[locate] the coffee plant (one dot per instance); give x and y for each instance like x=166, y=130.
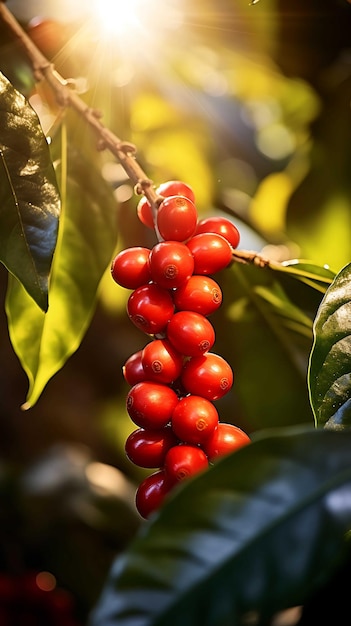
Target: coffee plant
x=228, y=504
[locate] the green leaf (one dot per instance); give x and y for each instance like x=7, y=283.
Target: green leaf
x=29, y=197
x=318, y=277
x=259, y=531
x=267, y=340
x=304, y=282
x=87, y=239
x=330, y=365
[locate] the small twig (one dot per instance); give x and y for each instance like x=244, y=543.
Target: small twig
x=318, y=282
x=66, y=96
x=252, y=258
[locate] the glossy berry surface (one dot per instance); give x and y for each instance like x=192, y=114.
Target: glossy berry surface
x=150, y=308
x=161, y=361
x=148, y=448
x=169, y=188
x=144, y=212
x=151, y=405
x=209, y=376
x=190, y=333
x=194, y=419
x=133, y=370
x=211, y=253
x=176, y=218
x=225, y=438
x=184, y=461
x=130, y=268
x=176, y=188
x=151, y=493
x=200, y=294
x=220, y=226
x=171, y=264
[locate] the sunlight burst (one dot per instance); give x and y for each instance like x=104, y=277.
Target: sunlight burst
x=120, y=17
x=126, y=20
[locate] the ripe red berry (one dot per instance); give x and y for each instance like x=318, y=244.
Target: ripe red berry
x=130, y=267
x=209, y=376
x=161, y=361
x=171, y=264
x=211, y=253
x=151, y=404
x=150, y=308
x=170, y=188
x=200, y=294
x=48, y=35
x=225, y=439
x=190, y=333
x=184, y=461
x=176, y=218
x=151, y=493
x=221, y=226
x=133, y=370
x=176, y=188
x=144, y=212
x=194, y=419
x=148, y=448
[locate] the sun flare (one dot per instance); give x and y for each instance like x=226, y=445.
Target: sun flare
x=118, y=17
x=128, y=19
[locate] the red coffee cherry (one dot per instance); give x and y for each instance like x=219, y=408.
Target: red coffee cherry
x=220, y=226
x=171, y=264
x=209, y=376
x=211, y=253
x=161, y=361
x=130, y=268
x=151, y=493
x=48, y=35
x=200, y=294
x=176, y=188
x=194, y=419
x=150, y=308
x=151, y=404
x=133, y=371
x=170, y=188
x=190, y=333
x=176, y=218
x=144, y=212
x=225, y=439
x=184, y=461
x=148, y=448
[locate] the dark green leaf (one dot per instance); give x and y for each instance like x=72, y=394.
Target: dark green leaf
x=29, y=197
x=267, y=340
x=330, y=364
x=87, y=239
x=258, y=532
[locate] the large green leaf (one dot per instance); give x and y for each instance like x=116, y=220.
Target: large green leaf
x=267, y=340
x=29, y=197
x=330, y=363
x=258, y=531
x=87, y=238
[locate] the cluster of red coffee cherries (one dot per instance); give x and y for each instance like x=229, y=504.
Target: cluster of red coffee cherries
x=175, y=378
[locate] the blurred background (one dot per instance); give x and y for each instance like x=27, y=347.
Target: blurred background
x=250, y=105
